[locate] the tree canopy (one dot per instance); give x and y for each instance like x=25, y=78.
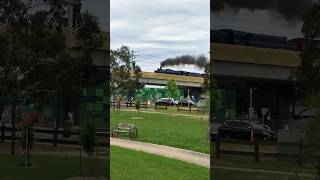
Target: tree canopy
x=172, y=90
x=35, y=58
x=124, y=71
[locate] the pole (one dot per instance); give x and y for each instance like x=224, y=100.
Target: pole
x=250, y=107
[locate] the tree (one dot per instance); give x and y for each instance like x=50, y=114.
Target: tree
x=36, y=61
x=308, y=76
x=312, y=143
x=124, y=71
x=172, y=90
x=309, y=71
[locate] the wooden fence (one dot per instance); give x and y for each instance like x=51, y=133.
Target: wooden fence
x=187, y=108
x=52, y=136
x=255, y=143
x=127, y=105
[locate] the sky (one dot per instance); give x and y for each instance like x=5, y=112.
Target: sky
x=161, y=29
x=100, y=9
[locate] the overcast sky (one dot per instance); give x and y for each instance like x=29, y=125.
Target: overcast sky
x=101, y=9
x=276, y=17
x=255, y=22
x=161, y=29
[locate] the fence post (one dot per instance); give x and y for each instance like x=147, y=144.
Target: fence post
x=166, y=106
x=217, y=149
x=55, y=137
x=256, y=148
x=3, y=132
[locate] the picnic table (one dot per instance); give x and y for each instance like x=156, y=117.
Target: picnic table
x=125, y=128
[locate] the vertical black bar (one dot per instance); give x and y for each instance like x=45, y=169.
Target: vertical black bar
x=217, y=149
x=256, y=148
x=55, y=137
x=301, y=158
x=3, y=130
x=13, y=128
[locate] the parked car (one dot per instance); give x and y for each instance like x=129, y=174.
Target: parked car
x=165, y=102
x=186, y=102
x=242, y=130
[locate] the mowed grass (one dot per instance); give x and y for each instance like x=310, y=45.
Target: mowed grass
x=264, y=163
x=49, y=167
x=236, y=175
x=128, y=164
x=171, y=130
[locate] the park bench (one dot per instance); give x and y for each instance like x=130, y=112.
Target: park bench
x=125, y=128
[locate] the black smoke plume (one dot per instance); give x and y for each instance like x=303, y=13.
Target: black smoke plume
x=199, y=61
x=290, y=10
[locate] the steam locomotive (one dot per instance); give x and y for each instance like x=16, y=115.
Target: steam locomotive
x=181, y=73
x=230, y=36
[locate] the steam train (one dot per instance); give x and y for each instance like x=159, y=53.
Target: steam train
x=230, y=36
x=181, y=73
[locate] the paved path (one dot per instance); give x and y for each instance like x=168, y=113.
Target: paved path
x=197, y=158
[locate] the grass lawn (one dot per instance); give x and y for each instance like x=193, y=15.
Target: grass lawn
x=46, y=168
x=265, y=163
x=176, y=131
x=128, y=164
x=235, y=175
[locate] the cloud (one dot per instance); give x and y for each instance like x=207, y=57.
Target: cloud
x=161, y=29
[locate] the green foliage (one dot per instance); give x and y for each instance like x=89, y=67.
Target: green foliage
x=137, y=104
x=88, y=138
x=35, y=60
x=172, y=90
x=309, y=71
x=311, y=23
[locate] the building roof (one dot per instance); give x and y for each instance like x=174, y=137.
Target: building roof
x=162, y=76
x=255, y=55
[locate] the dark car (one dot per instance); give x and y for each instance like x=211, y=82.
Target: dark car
x=186, y=102
x=242, y=130
x=165, y=102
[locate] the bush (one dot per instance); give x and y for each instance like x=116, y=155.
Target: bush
x=88, y=138
x=137, y=104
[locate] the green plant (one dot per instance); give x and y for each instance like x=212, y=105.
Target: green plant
x=137, y=104
x=87, y=137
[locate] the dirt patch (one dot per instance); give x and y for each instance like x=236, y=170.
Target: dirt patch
x=137, y=118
